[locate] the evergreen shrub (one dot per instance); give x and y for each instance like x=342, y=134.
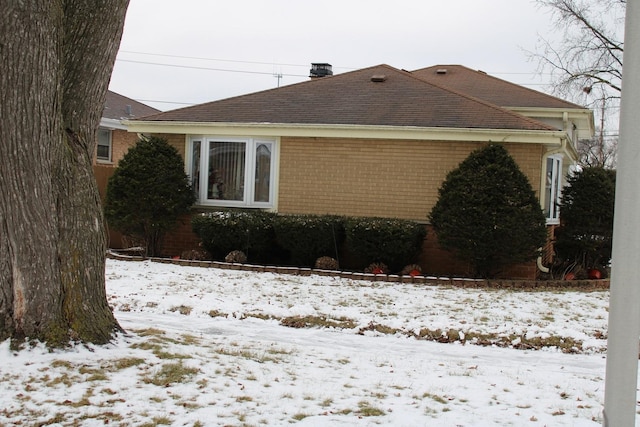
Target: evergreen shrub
x=488, y=214
x=395, y=242
x=584, y=237
x=148, y=192
x=248, y=231
x=309, y=237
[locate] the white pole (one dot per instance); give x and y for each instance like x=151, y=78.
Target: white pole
x=624, y=306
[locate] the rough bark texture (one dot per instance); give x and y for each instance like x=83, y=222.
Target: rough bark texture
x=56, y=59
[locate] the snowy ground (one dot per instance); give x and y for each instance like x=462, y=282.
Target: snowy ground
x=208, y=347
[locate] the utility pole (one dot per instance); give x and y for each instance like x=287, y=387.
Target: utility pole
x=621, y=381
x=278, y=76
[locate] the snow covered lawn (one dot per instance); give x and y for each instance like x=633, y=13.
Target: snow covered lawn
x=209, y=347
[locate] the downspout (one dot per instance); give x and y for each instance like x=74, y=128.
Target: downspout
x=541, y=266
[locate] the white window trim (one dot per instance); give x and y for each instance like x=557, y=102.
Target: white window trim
x=101, y=159
x=249, y=178
x=557, y=181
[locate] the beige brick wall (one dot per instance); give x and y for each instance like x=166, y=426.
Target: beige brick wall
x=176, y=140
x=376, y=177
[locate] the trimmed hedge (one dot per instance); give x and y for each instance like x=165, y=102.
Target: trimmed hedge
x=248, y=231
x=265, y=236
x=309, y=237
x=395, y=242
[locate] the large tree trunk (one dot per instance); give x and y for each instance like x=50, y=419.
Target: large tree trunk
x=56, y=59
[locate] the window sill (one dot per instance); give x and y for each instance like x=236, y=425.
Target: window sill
x=209, y=206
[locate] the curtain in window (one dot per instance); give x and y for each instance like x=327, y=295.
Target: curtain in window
x=262, y=172
x=226, y=171
x=195, y=167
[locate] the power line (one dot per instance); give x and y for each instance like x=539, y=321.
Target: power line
x=212, y=59
x=206, y=68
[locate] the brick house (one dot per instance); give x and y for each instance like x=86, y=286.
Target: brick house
x=373, y=142
x=113, y=139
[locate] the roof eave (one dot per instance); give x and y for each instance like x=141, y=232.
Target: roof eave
x=546, y=137
x=112, y=123
x=582, y=116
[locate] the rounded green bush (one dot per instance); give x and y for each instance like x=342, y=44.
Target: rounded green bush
x=148, y=192
x=488, y=214
x=584, y=237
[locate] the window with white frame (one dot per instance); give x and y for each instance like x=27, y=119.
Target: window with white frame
x=234, y=172
x=553, y=189
x=103, y=150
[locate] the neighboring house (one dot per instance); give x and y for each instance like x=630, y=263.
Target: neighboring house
x=373, y=142
x=113, y=139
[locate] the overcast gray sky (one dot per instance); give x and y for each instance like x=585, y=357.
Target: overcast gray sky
x=194, y=51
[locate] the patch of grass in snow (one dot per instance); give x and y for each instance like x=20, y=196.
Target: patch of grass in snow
x=166, y=355
x=217, y=313
x=379, y=395
x=124, y=363
x=56, y=419
x=326, y=402
x=106, y=417
x=62, y=364
x=185, y=310
x=318, y=321
x=171, y=373
x=64, y=379
x=93, y=374
x=149, y=332
x=300, y=416
x=157, y=345
x=188, y=339
x=261, y=316
x=379, y=328
x=435, y=398
x=366, y=410
x=249, y=354
x=84, y=400
x=158, y=421
x=521, y=342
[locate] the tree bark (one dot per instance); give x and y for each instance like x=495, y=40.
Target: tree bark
x=56, y=59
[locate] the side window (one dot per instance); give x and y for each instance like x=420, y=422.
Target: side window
x=103, y=150
x=553, y=189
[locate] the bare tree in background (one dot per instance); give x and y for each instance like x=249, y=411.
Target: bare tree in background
x=56, y=58
x=585, y=63
x=597, y=152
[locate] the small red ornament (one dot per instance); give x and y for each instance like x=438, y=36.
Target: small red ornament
x=378, y=270
x=415, y=272
x=569, y=276
x=594, y=274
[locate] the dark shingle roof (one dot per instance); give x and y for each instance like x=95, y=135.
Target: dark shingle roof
x=491, y=89
x=353, y=98
x=116, y=107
